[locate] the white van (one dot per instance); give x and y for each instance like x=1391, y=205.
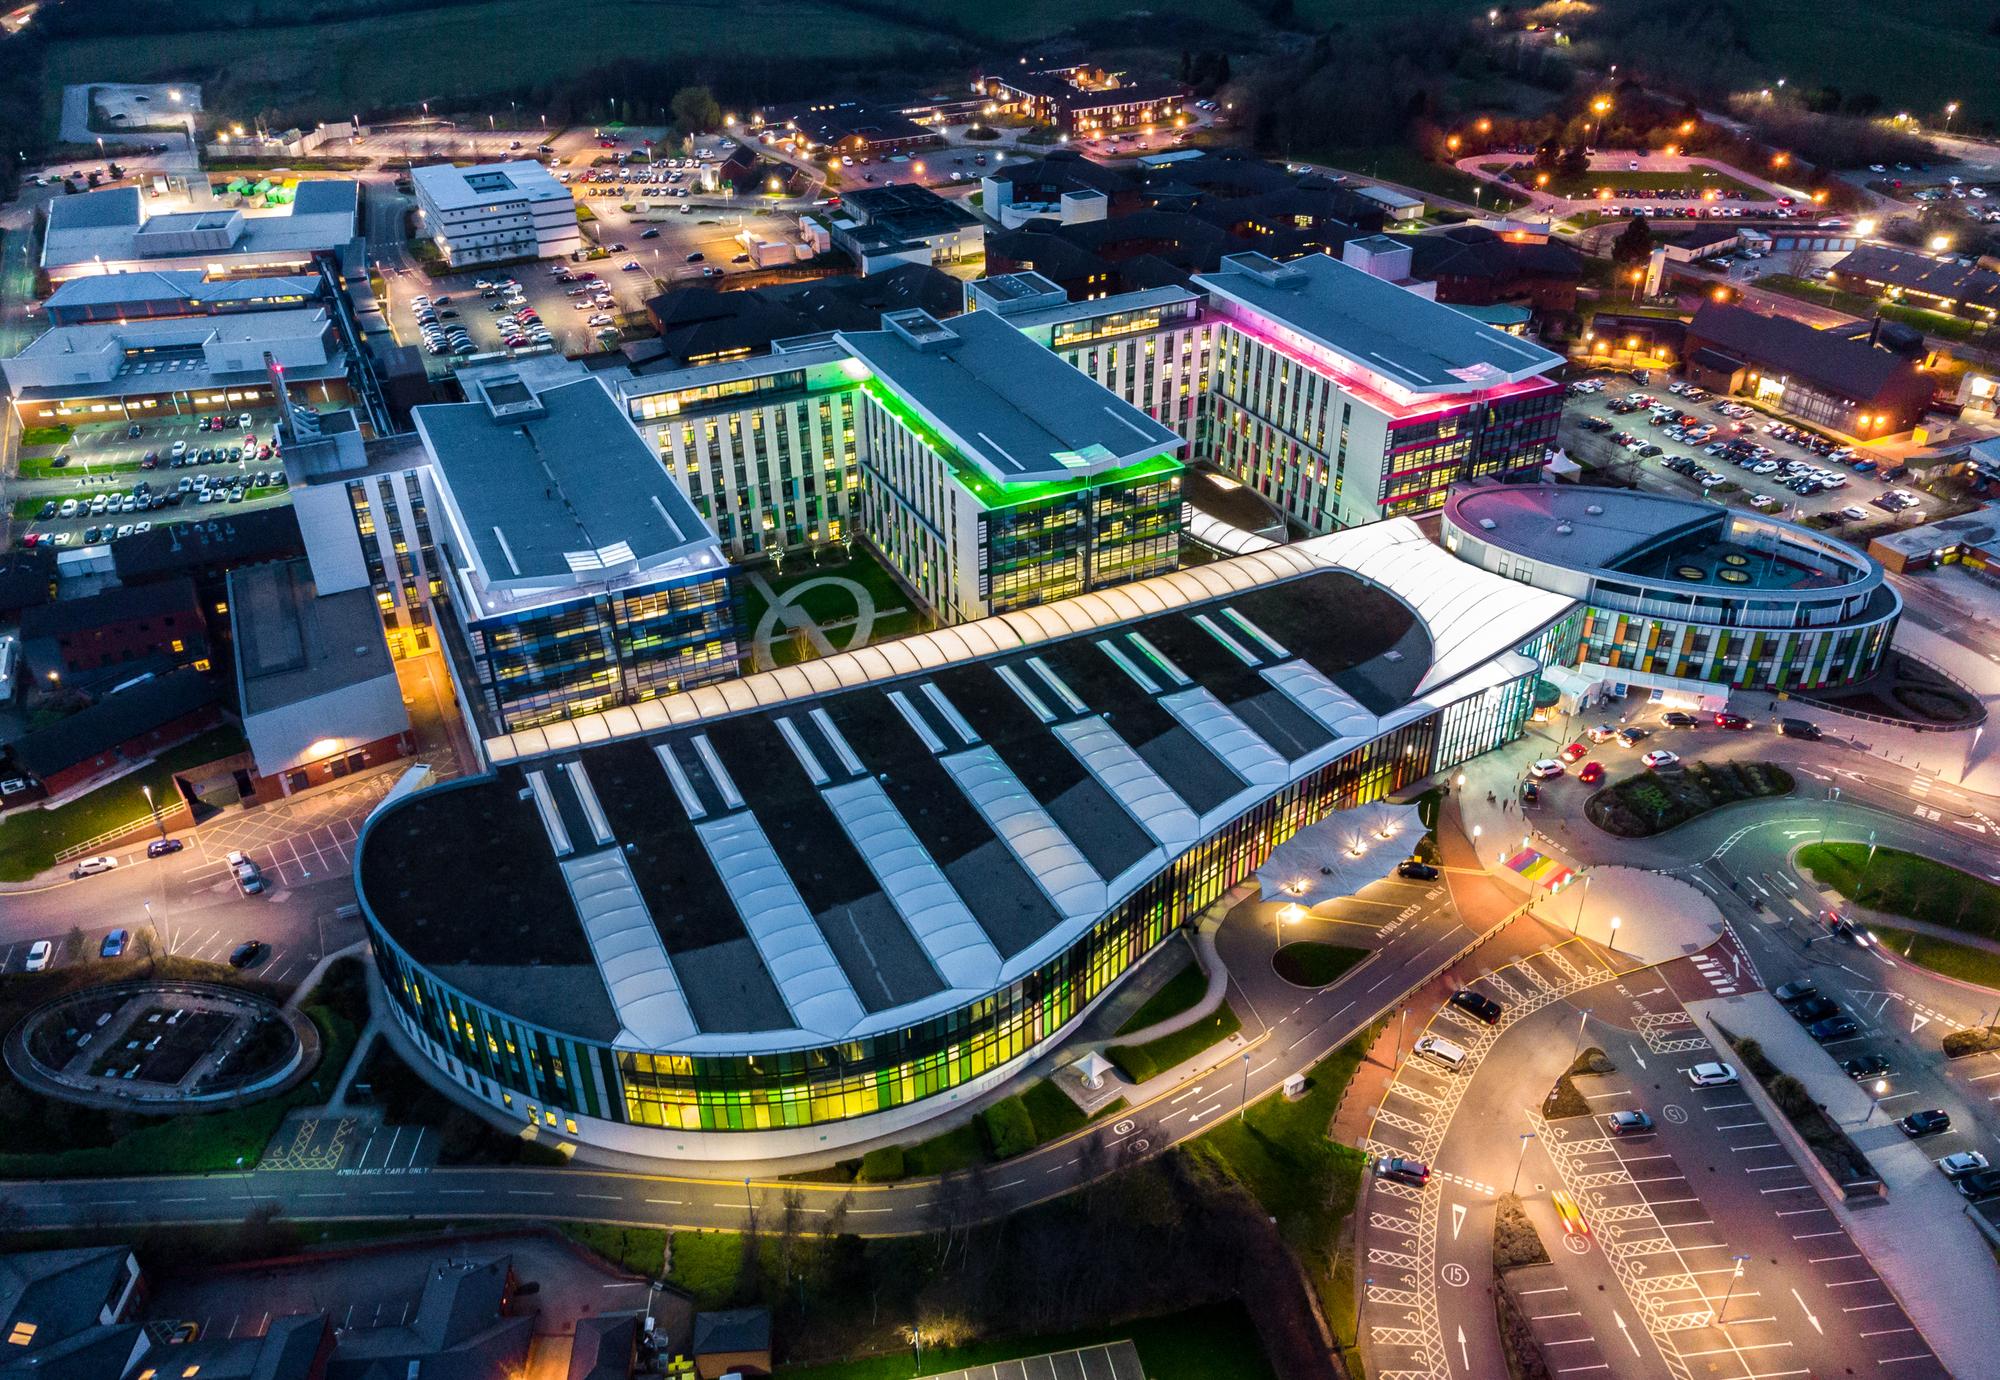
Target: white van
x=1442, y=1051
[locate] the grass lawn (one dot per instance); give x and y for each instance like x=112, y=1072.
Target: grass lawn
x=43, y=466
x=1309, y=963
x=459, y=52
x=1859, y=304
x=947, y=1153
x=1954, y=960
x=1140, y=1062
x=1176, y=995
x=1055, y=1115
x=708, y=1264
x=1217, y=1342
x=636, y=1250
x=1410, y=168
x=1307, y=1182
x=46, y=435
x=1906, y=884
x=1587, y=183
x=30, y=839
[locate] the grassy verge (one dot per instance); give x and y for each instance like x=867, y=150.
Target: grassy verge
x=1176, y=995
x=635, y=1250
x=1906, y=884
x=1216, y=1342
x=1308, y=1184
x=195, y=1143
x=1860, y=304
x=46, y=435
x=1411, y=169
x=1944, y=956
x=1654, y=802
x=30, y=839
x=1309, y=963
x=1140, y=1062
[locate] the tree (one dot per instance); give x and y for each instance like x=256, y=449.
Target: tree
x=1548, y=155
x=695, y=109
x=1634, y=244
x=1574, y=162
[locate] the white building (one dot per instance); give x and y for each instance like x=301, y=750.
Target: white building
x=496, y=212
x=113, y=231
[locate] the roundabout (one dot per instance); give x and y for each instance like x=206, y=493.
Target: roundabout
x=161, y=1047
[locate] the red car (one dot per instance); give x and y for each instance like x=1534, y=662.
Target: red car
x=1736, y=723
x=1575, y=752
x=1592, y=773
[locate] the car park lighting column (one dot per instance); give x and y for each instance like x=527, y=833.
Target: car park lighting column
x=1514, y=1188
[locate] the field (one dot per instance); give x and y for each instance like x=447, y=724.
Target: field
x=1913, y=58
x=1587, y=183
x=463, y=52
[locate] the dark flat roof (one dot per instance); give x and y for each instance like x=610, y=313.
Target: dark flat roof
x=113, y=720
x=1779, y=344
x=294, y=644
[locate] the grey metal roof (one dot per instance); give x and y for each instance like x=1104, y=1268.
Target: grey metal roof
x=555, y=484
x=1008, y=404
x=177, y=285
x=452, y=188
x=294, y=644
x=1415, y=343
x=858, y=844
x=104, y=210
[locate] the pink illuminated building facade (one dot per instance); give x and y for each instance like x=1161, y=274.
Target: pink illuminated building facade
x=1344, y=398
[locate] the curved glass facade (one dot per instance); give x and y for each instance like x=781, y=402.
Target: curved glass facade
x=550, y=1079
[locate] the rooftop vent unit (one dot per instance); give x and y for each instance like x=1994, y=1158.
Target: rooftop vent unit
x=1563, y=529
x=1595, y=510
x=1488, y=524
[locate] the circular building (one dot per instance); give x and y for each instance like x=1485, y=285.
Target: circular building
x=790, y=912
x=1682, y=596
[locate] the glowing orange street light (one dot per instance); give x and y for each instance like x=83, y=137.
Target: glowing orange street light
x=1604, y=194
x=1484, y=126
x=1687, y=126
x=1451, y=142
x=1721, y=294
x=1778, y=160
x=1601, y=105
x=1541, y=179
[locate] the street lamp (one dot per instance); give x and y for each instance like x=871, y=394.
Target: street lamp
x=1950, y=109
x=1514, y=1188
x=158, y=823
x=1734, y=1275
x=1615, y=922
x=1583, y=1019
x=1243, y=1101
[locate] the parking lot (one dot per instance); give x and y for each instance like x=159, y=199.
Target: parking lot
x=106, y=461
x=1598, y=448
x=1724, y=1242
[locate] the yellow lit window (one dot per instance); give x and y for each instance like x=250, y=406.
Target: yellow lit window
x=22, y=1335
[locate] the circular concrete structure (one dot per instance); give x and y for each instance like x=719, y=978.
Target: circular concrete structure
x=1659, y=917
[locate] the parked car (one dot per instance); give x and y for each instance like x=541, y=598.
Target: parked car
x=1660, y=757
x=1711, y=1075
x=1984, y=1183
x=1798, y=989
x=1863, y=1067
x=90, y=867
x=1632, y=737
x=1413, y=1172
x=1592, y=773
x=1814, y=1008
x=1675, y=718
x=39, y=954
x=248, y=875
x=114, y=944
x=1628, y=1123
x=1477, y=1005
x=1930, y=1122
x=1957, y=1166
x=160, y=848
x=1575, y=752
x=247, y=953
x=1546, y=770
x=1416, y=871
x=1834, y=1028
x=1799, y=728
x=1734, y=722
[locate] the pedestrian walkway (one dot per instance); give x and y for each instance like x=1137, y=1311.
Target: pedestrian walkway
x=1117, y=1361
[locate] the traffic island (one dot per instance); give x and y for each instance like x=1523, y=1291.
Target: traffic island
x=1655, y=801
x=1911, y=885
x=1516, y=1246
x=1565, y=1099
x=1843, y=1167
x=1310, y=963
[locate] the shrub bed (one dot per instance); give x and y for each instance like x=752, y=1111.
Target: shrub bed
x=1961, y=1043
x=1140, y=1062
x=1515, y=1240
x=1309, y=963
x=1654, y=802
x=1829, y=1144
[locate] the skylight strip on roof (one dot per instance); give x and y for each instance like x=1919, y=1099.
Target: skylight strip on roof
x=1143, y=792
x=790, y=733
x=1255, y=633
x=1128, y=666
x=956, y=943
x=1228, y=737
x=586, y=796
x=1028, y=697
x=795, y=953
x=631, y=960
x=1159, y=659
x=1031, y=835
x=916, y=721
x=1055, y=683
x=545, y=806
x=950, y=712
x=1310, y=689
x=824, y=722
x=716, y=772
x=1236, y=649
x=683, y=788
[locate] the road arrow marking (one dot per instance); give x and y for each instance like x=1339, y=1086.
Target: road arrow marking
x=1809, y=1314
x=1457, y=1219
x=1918, y=1021
x=1649, y=992
x=1464, y=1352
x=1627, y=1331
